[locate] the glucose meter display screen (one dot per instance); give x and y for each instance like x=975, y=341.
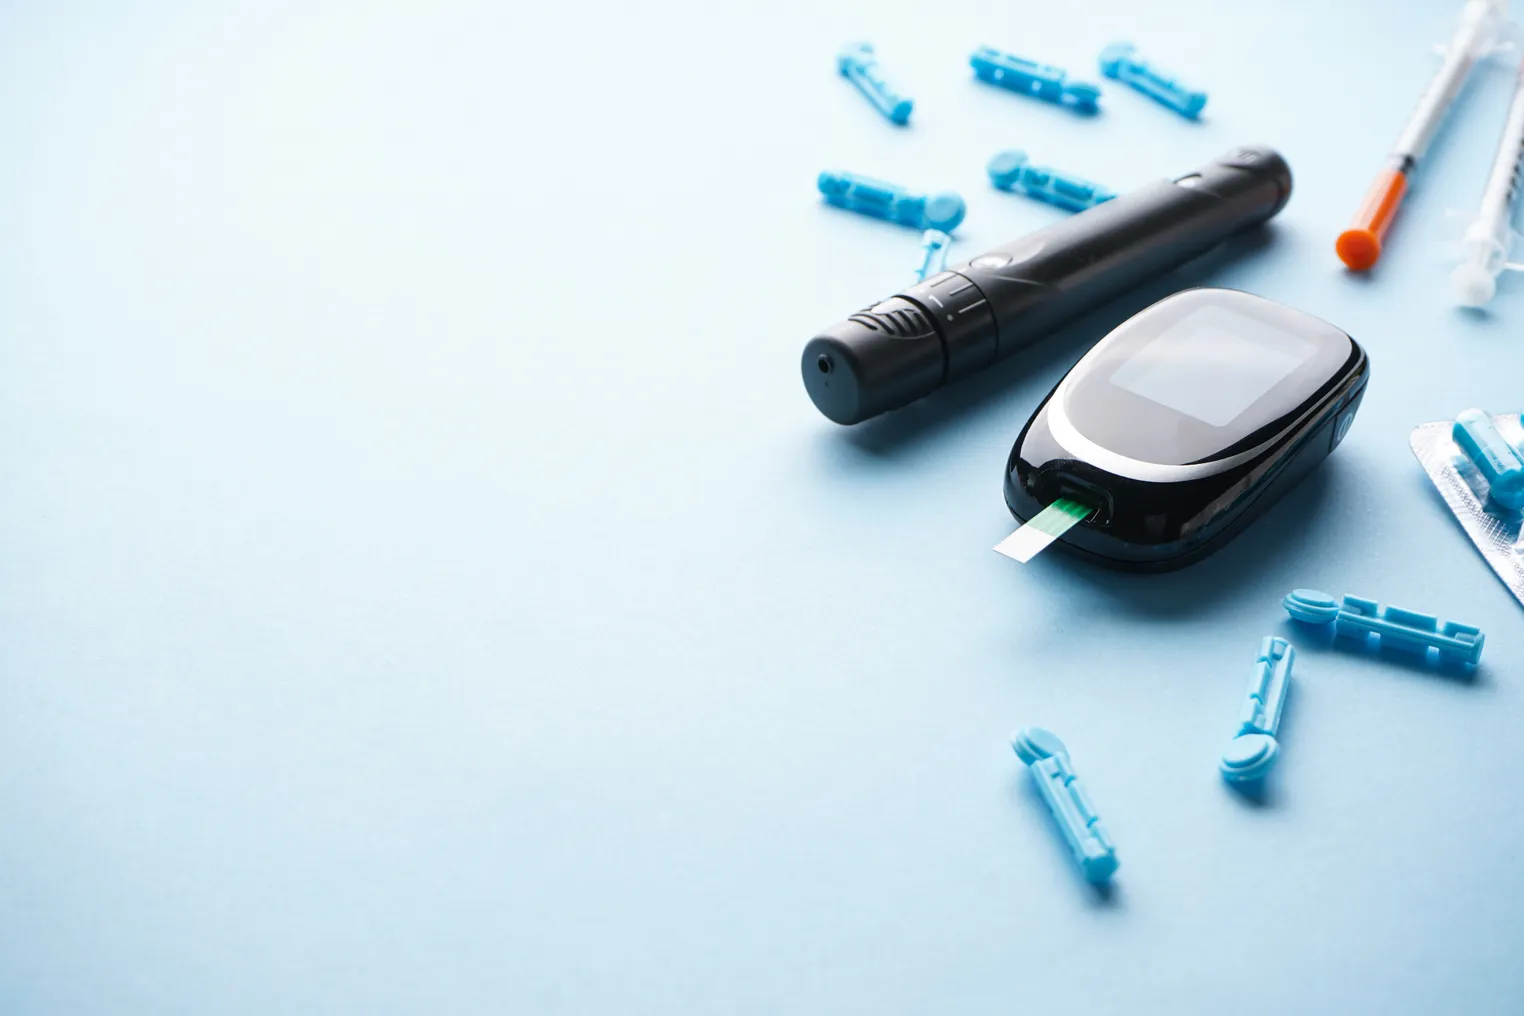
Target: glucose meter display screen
x=1213, y=364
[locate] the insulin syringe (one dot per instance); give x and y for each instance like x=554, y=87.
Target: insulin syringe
x=1489, y=238
x=1360, y=245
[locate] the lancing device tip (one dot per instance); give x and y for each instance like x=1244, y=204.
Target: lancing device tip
x=1043, y=529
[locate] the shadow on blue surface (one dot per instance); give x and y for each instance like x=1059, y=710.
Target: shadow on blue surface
x=1257, y=796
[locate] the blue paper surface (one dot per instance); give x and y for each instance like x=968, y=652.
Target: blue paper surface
x=428, y=589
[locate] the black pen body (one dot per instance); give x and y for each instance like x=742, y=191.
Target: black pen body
x=964, y=319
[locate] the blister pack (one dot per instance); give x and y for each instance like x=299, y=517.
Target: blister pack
x=1475, y=463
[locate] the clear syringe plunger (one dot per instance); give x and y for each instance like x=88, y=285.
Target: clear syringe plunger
x=1489, y=238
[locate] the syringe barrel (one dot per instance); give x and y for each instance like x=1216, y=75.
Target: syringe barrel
x=1504, y=182
x=1474, y=35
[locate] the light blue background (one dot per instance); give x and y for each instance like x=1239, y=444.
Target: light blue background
x=426, y=587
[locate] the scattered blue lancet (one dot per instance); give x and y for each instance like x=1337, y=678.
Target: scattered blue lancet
x=886, y=201
x=1252, y=753
x=859, y=66
x=1497, y=460
x=934, y=244
x=1041, y=81
x=1048, y=761
x=1120, y=61
x=1356, y=618
x=1011, y=171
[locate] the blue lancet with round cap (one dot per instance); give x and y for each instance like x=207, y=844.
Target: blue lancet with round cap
x=1047, y=759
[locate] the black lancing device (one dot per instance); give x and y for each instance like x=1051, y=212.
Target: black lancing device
x=962, y=320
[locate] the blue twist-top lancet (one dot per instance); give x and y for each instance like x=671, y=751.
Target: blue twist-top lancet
x=1012, y=171
x=1498, y=461
x=1356, y=618
x=1121, y=62
x=1047, y=759
x=1040, y=81
x=1252, y=753
x=934, y=244
x=888, y=201
x=859, y=66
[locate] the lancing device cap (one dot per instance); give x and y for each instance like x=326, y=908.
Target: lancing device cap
x=962, y=320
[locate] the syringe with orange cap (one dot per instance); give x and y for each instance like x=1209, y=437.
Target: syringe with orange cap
x=1360, y=245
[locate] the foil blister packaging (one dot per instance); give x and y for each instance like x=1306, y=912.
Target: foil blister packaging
x=1495, y=530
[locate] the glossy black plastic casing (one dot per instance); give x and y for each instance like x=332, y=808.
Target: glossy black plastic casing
x=1161, y=524
x=961, y=321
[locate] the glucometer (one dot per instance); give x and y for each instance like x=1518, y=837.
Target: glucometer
x=1179, y=428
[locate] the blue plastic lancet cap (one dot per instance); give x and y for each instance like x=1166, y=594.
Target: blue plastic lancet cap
x=853, y=54
x=1493, y=455
x=1249, y=757
x=1033, y=743
x=832, y=184
x=1083, y=94
x=1005, y=168
x=944, y=211
x=1113, y=55
x=1311, y=606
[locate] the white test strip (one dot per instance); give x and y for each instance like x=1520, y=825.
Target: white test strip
x=1045, y=527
